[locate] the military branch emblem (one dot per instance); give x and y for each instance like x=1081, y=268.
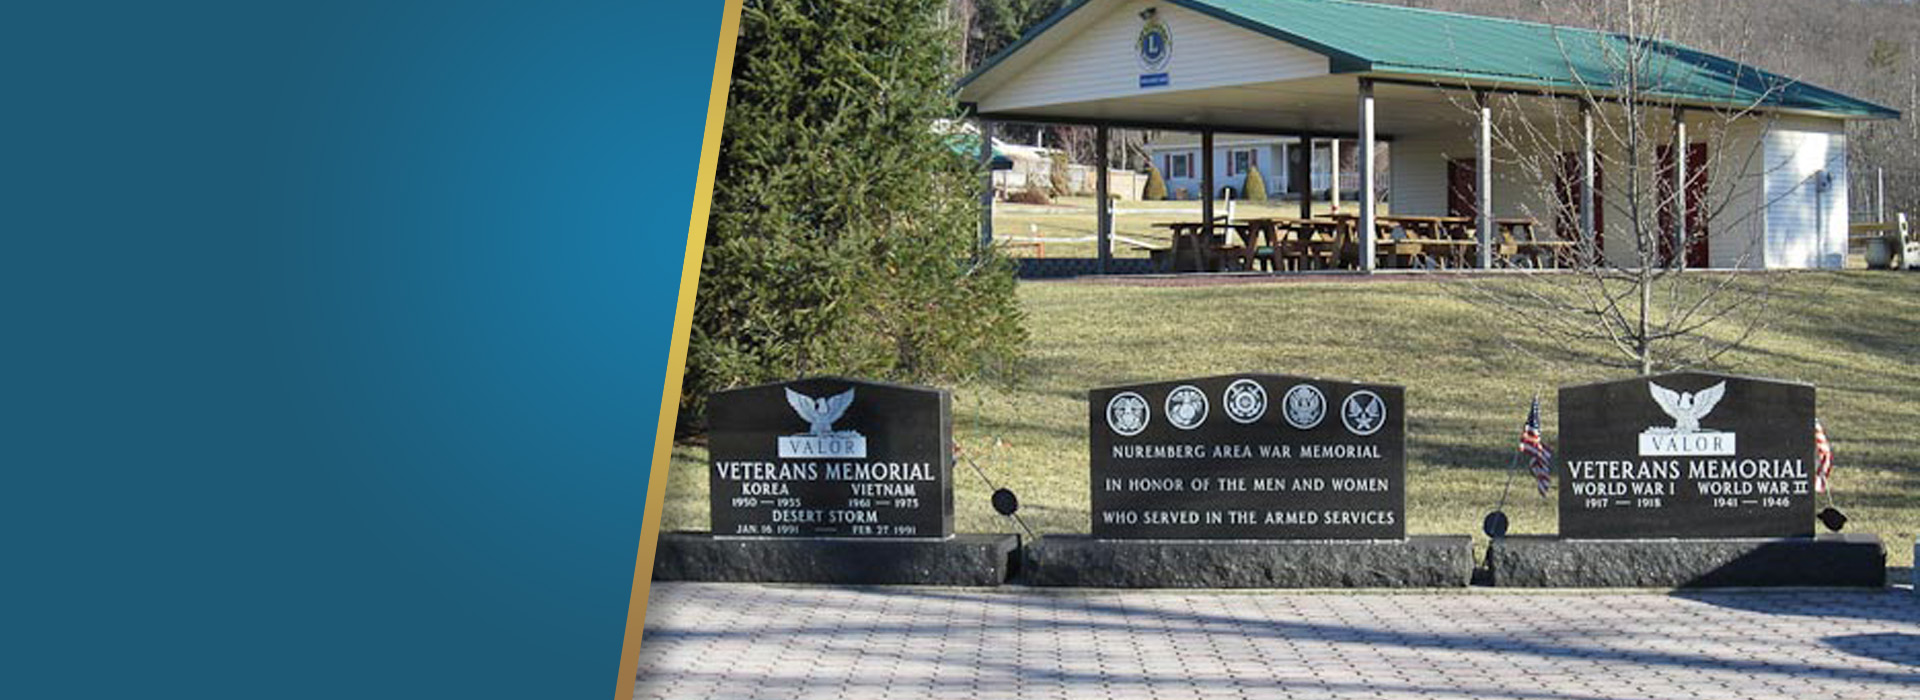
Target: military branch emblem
x=1305, y=406
x=1186, y=407
x=1127, y=414
x=1686, y=437
x=1363, y=412
x=821, y=440
x=1245, y=401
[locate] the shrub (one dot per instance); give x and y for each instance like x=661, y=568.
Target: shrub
x=843, y=227
x=1058, y=181
x=1156, y=188
x=1256, y=185
x=1031, y=195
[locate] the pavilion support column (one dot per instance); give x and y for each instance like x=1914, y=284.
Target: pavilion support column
x=1333, y=164
x=1483, y=188
x=1206, y=185
x=1368, y=215
x=1101, y=190
x=1679, y=189
x=1302, y=176
x=1588, y=216
x=986, y=187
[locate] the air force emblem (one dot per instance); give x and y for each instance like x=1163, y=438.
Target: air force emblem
x=821, y=440
x=1686, y=437
x=1364, y=412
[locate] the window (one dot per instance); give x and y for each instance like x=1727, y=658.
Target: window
x=1180, y=165
x=1240, y=161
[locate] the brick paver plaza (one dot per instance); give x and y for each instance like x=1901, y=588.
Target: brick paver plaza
x=765, y=641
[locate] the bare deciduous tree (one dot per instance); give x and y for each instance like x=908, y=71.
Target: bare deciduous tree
x=1636, y=294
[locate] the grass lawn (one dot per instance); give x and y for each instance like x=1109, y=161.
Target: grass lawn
x=1073, y=217
x=1853, y=334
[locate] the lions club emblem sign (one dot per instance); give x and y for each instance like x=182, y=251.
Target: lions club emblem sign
x=1154, y=49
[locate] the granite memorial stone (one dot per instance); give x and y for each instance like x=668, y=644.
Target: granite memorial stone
x=1688, y=455
x=831, y=457
x=1248, y=457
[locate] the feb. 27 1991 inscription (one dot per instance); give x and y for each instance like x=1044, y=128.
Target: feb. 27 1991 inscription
x=1686, y=455
x=831, y=457
x=1255, y=456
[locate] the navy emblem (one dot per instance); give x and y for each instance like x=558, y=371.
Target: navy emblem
x=1305, y=405
x=1127, y=414
x=1246, y=401
x=1186, y=407
x=1363, y=412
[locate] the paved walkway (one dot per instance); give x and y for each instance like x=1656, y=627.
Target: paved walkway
x=782, y=642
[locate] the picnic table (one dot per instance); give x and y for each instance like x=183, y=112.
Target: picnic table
x=1520, y=239
x=1193, y=250
x=1294, y=244
x=1453, y=241
x=1405, y=241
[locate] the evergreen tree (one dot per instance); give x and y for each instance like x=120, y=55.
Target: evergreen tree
x=842, y=232
x=1156, y=188
x=1256, y=186
x=1058, y=184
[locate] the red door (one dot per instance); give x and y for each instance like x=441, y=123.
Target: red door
x=1566, y=219
x=1463, y=198
x=1696, y=213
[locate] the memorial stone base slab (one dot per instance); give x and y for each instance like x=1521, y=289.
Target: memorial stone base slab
x=1852, y=560
x=1417, y=562
x=963, y=560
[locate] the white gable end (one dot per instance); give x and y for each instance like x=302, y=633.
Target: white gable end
x=1806, y=214
x=1101, y=62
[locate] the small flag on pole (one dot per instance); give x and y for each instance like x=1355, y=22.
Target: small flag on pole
x=1822, y=458
x=1538, y=454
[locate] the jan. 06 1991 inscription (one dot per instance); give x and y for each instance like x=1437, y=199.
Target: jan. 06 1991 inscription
x=831, y=457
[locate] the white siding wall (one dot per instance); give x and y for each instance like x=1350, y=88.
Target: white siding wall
x=1101, y=63
x=1735, y=237
x=1419, y=178
x=1806, y=225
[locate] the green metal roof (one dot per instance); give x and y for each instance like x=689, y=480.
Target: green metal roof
x=1364, y=37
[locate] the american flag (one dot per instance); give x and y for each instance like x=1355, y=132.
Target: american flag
x=1822, y=458
x=1538, y=454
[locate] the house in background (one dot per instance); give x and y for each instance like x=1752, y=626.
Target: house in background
x=1019, y=167
x=1177, y=155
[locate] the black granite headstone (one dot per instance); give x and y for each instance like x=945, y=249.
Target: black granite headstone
x=831, y=457
x=1258, y=457
x=1688, y=455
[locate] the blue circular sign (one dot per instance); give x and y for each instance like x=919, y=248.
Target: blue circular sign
x=1155, y=45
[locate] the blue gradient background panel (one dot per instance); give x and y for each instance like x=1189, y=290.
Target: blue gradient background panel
x=335, y=335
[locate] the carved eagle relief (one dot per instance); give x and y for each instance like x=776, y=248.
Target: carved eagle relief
x=1687, y=409
x=820, y=413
